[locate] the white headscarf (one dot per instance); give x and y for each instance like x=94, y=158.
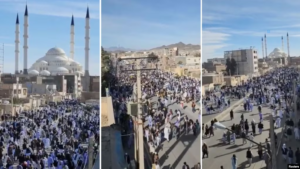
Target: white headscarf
x=283, y=146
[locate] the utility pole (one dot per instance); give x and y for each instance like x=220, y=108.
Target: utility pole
x=273, y=148
x=295, y=99
x=90, y=153
x=139, y=134
x=140, y=127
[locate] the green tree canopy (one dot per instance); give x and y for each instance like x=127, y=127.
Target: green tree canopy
x=105, y=62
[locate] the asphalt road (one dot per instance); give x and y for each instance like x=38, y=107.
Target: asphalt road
x=220, y=154
x=186, y=149
x=206, y=117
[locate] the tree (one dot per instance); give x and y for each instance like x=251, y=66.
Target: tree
x=228, y=65
x=105, y=62
x=152, y=58
x=231, y=66
x=106, y=67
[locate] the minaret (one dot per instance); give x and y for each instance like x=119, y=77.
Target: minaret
x=87, y=39
x=72, y=39
x=25, y=47
x=87, y=48
x=262, y=44
x=17, y=42
x=266, y=46
x=282, y=46
x=288, y=44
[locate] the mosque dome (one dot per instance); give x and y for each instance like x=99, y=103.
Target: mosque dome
x=277, y=53
x=33, y=72
x=61, y=70
x=55, y=51
x=45, y=73
x=56, y=61
x=43, y=62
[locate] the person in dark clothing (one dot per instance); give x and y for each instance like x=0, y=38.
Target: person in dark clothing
x=185, y=166
x=290, y=156
x=297, y=156
x=249, y=156
x=127, y=159
x=231, y=115
x=260, y=151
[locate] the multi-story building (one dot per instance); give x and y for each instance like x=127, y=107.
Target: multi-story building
x=217, y=60
x=171, y=52
x=246, y=59
x=214, y=67
x=212, y=78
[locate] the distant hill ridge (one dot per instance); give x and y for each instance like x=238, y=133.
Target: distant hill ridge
x=179, y=45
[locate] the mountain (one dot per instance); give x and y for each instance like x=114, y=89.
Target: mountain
x=118, y=49
x=179, y=45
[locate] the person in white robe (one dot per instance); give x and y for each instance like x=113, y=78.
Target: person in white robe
x=166, y=133
x=278, y=122
x=296, y=132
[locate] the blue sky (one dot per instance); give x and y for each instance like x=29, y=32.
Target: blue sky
x=49, y=26
x=234, y=24
x=145, y=24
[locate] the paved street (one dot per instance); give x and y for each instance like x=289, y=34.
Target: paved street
x=186, y=149
x=206, y=117
x=220, y=154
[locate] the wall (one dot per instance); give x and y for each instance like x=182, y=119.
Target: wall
x=230, y=81
x=107, y=112
x=89, y=95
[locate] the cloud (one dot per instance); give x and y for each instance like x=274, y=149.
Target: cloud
x=210, y=37
x=213, y=41
x=121, y=22
x=55, y=8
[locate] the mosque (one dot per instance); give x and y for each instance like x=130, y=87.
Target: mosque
x=277, y=53
x=55, y=67
x=55, y=61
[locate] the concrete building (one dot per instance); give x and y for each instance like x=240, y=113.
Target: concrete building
x=192, y=60
x=214, y=67
x=6, y=90
x=216, y=79
x=217, y=60
x=171, y=52
x=40, y=89
x=230, y=81
x=187, y=60
x=246, y=59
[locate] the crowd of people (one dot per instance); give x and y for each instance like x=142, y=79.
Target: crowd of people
x=274, y=90
x=159, y=91
x=54, y=137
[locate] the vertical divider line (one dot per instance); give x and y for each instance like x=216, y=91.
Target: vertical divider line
x=201, y=49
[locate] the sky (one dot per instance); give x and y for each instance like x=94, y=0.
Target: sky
x=235, y=24
x=145, y=24
x=49, y=26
